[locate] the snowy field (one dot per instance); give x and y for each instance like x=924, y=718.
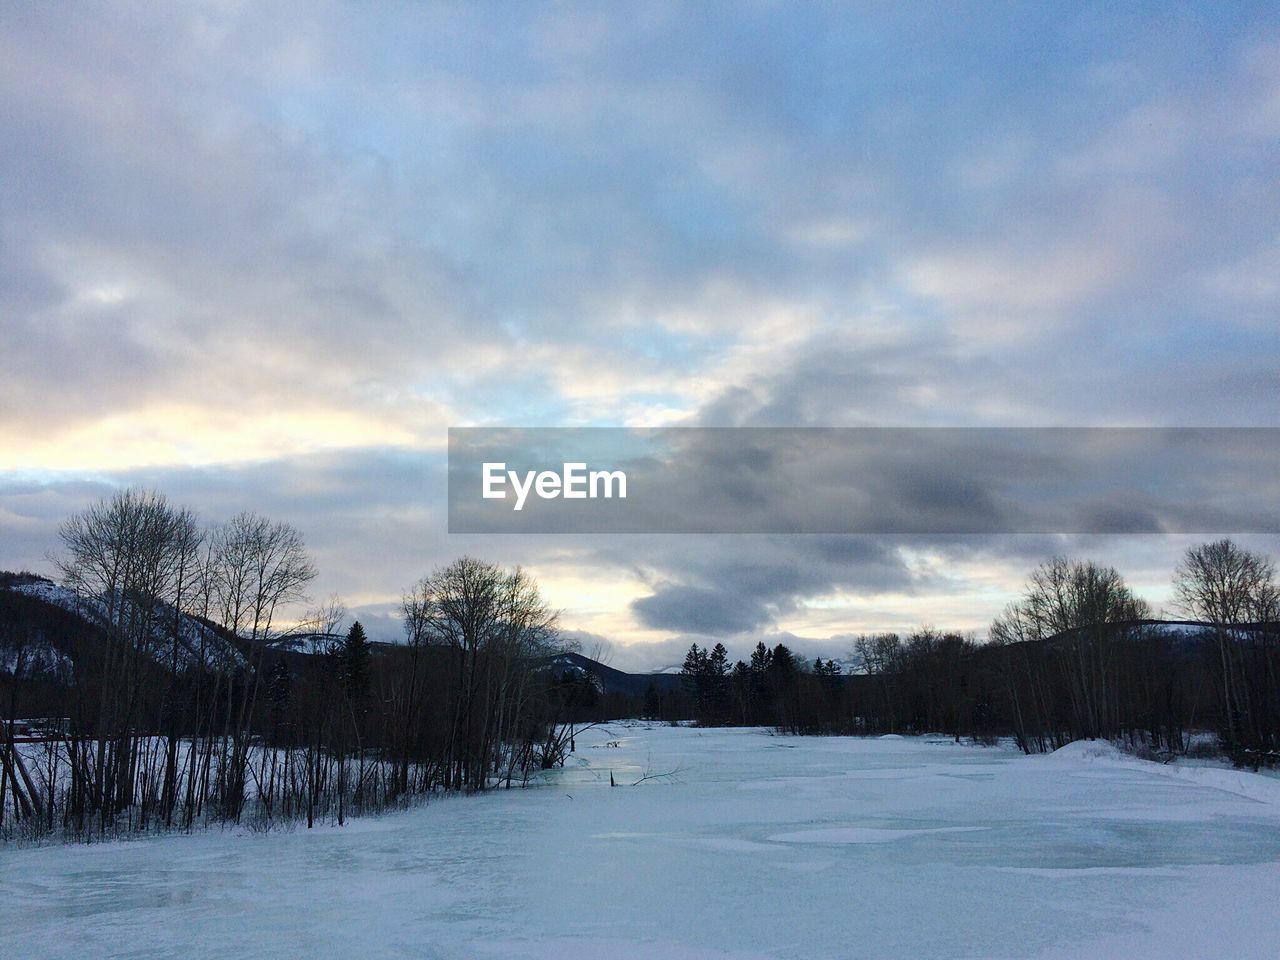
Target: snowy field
x=761, y=846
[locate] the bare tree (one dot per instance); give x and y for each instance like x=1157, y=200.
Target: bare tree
x=190, y=700
x=1075, y=620
x=123, y=557
x=494, y=625
x=260, y=566
x=1227, y=586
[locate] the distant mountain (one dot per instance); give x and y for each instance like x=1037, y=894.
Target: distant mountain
x=57, y=627
x=55, y=623
x=609, y=680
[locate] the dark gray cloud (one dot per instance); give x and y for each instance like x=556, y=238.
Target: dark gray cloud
x=700, y=609
x=867, y=480
x=741, y=584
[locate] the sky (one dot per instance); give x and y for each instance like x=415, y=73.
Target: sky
x=263, y=256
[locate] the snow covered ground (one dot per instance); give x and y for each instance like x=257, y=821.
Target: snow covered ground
x=761, y=846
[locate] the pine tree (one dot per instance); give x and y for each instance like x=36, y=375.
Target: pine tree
x=782, y=674
x=743, y=693
x=694, y=662
x=355, y=664
x=760, y=660
x=280, y=691
x=828, y=675
x=718, y=681
x=761, y=692
x=652, y=702
x=696, y=675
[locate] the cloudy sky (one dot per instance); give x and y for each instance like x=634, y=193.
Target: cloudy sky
x=263, y=256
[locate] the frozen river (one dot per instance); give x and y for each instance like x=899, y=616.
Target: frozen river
x=759, y=846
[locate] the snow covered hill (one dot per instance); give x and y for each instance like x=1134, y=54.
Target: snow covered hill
x=196, y=641
x=609, y=680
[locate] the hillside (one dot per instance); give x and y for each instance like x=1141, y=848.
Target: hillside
x=54, y=627
x=611, y=681
x=53, y=623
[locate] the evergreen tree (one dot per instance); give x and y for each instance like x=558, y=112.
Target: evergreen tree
x=741, y=686
x=782, y=676
x=826, y=670
x=718, y=681
x=760, y=660
x=761, y=692
x=696, y=675
x=280, y=691
x=718, y=662
x=828, y=675
x=652, y=703
x=355, y=664
x=580, y=696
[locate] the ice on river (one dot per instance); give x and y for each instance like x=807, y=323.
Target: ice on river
x=759, y=846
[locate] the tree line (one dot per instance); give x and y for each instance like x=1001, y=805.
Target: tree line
x=772, y=688
x=181, y=694
x=187, y=698
x=1077, y=656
